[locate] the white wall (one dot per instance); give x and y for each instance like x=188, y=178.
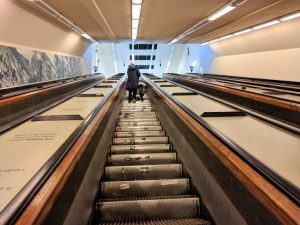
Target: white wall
x=122, y=56
x=278, y=65
x=270, y=53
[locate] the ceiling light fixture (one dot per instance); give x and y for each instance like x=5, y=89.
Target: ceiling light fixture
x=138, y=2
x=86, y=36
x=135, y=24
x=221, y=12
x=134, y=31
x=226, y=37
x=173, y=41
x=266, y=24
x=242, y=32
x=293, y=16
x=136, y=13
x=213, y=41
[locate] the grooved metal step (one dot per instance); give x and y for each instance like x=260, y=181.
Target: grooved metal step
x=140, y=134
x=139, y=172
x=141, y=116
x=143, y=209
x=134, y=112
x=140, y=128
x=137, y=107
x=140, y=123
x=140, y=140
x=185, y=221
x=142, y=159
x=149, y=148
x=152, y=119
x=144, y=188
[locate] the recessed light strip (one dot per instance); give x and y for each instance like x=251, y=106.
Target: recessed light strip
x=136, y=13
x=258, y=27
x=221, y=12
x=216, y=15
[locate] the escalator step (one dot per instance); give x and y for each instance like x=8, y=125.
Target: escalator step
x=140, y=134
x=139, y=172
x=141, y=123
x=142, y=159
x=129, y=111
x=149, y=148
x=143, y=209
x=153, y=119
x=137, y=113
x=137, y=107
x=141, y=116
x=140, y=140
x=140, y=128
x=144, y=188
x=185, y=221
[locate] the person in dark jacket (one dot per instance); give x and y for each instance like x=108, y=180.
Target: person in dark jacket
x=133, y=74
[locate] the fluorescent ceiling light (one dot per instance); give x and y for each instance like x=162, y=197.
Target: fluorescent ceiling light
x=134, y=36
x=136, y=11
x=137, y=2
x=205, y=43
x=226, y=37
x=134, y=31
x=266, y=25
x=86, y=36
x=135, y=24
x=220, y=13
x=242, y=32
x=213, y=41
x=293, y=16
x=175, y=40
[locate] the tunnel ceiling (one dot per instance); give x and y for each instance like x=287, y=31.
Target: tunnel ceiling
x=164, y=20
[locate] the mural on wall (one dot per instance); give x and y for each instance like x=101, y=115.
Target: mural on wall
x=23, y=66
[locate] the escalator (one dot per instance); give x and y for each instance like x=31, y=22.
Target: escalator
x=143, y=180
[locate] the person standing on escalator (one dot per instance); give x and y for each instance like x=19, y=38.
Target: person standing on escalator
x=133, y=74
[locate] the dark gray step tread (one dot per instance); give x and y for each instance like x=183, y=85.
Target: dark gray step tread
x=185, y=221
x=143, y=209
x=138, y=172
x=147, y=198
x=135, y=188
